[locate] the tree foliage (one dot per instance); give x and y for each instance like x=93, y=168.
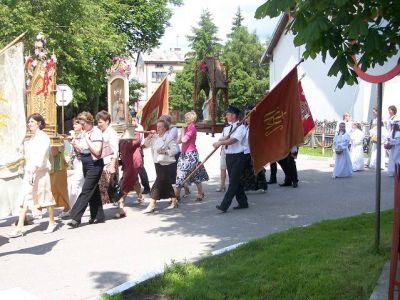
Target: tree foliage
x=247, y=80
x=241, y=54
x=204, y=41
x=85, y=34
x=341, y=29
x=237, y=20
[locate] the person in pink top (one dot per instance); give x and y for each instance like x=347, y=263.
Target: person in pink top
x=189, y=158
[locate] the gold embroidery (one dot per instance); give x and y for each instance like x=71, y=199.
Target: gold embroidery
x=273, y=121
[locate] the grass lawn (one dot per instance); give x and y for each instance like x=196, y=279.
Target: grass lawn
x=315, y=151
x=327, y=260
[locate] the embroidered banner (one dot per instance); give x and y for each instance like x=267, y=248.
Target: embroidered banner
x=276, y=123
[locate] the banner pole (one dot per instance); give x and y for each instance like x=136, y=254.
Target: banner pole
x=16, y=40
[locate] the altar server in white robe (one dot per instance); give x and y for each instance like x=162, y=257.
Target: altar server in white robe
x=356, y=150
x=394, y=151
x=341, y=143
x=374, y=149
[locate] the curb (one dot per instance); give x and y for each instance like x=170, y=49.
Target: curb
x=146, y=276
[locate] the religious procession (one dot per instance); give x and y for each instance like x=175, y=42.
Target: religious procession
x=96, y=161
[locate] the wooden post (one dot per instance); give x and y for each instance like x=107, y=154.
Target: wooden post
x=195, y=91
x=395, y=237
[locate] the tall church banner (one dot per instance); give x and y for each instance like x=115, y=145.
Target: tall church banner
x=276, y=123
x=12, y=111
x=156, y=106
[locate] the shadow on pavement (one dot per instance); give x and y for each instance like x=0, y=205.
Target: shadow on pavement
x=107, y=279
x=35, y=250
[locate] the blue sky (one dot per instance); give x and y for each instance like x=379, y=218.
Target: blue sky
x=188, y=15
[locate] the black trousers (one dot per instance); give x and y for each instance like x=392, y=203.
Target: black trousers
x=288, y=165
x=274, y=169
x=90, y=191
x=144, y=179
x=235, y=164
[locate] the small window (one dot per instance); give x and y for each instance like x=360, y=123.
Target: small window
x=158, y=76
x=159, y=66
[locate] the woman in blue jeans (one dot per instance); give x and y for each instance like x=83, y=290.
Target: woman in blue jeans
x=89, y=148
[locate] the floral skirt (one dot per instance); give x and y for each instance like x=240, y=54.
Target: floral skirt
x=186, y=164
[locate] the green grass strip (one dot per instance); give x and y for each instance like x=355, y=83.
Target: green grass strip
x=327, y=260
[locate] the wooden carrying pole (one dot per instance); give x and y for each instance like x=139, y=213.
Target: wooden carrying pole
x=16, y=40
x=244, y=119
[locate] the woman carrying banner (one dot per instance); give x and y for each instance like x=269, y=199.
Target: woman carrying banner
x=189, y=158
x=163, y=151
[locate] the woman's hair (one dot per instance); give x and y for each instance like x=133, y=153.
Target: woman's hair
x=393, y=109
x=86, y=116
x=346, y=114
x=358, y=125
x=38, y=118
x=103, y=115
x=191, y=115
x=166, y=118
x=165, y=123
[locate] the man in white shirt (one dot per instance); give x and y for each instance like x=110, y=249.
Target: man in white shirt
x=232, y=140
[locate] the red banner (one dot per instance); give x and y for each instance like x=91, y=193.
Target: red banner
x=308, y=121
x=276, y=123
x=156, y=106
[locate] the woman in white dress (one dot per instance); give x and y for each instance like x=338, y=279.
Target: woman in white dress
x=36, y=187
x=341, y=143
x=374, y=149
x=357, y=151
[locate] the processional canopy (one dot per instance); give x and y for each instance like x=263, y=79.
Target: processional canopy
x=118, y=91
x=40, y=74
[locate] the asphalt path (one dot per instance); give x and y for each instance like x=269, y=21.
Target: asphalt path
x=85, y=262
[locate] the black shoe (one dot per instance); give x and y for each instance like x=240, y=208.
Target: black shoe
x=271, y=181
x=146, y=191
x=295, y=184
x=241, y=206
x=285, y=184
x=73, y=224
x=96, y=221
x=221, y=209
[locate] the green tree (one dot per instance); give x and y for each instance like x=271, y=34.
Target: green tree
x=204, y=41
x=247, y=80
x=85, y=34
x=341, y=29
x=135, y=89
x=237, y=20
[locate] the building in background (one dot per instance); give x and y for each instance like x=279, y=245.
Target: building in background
x=324, y=99
x=152, y=67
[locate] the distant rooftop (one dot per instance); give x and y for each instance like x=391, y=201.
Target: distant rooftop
x=161, y=55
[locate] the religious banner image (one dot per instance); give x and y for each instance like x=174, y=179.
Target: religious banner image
x=156, y=106
x=276, y=123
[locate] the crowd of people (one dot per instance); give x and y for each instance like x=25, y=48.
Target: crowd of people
x=99, y=157
x=348, y=144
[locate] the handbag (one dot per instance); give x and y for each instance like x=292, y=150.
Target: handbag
x=114, y=190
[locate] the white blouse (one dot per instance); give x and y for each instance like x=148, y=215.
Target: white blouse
x=37, y=151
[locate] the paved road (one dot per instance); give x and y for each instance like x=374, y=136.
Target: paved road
x=83, y=263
